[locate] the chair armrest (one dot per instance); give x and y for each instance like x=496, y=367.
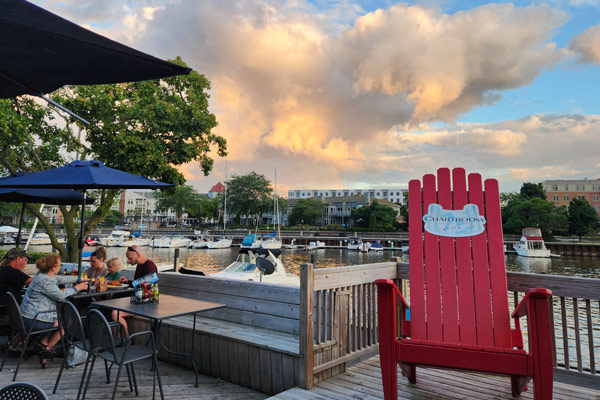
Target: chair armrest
x=141, y=334
x=43, y=312
x=522, y=309
x=390, y=284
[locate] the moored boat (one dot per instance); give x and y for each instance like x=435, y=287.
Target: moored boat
x=115, y=237
x=531, y=244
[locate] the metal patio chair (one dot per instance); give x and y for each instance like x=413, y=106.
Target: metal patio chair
x=103, y=346
x=17, y=326
x=22, y=391
x=71, y=322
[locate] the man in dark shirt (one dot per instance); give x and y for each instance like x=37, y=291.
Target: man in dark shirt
x=144, y=266
x=12, y=279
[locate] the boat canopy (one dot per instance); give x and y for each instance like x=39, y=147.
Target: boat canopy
x=248, y=240
x=261, y=251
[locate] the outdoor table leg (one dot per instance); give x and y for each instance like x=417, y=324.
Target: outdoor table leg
x=190, y=354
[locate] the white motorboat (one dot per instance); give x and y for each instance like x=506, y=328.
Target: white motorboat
x=7, y=239
x=270, y=242
x=199, y=242
x=114, y=238
x=377, y=246
x=170, y=241
x=531, y=244
x=314, y=246
x=42, y=239
x=134, y=241
x=356, y=244
x=292, y=245
x=260, y=265
x=219, y=242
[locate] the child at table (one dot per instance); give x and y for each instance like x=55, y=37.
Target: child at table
x=114, y=269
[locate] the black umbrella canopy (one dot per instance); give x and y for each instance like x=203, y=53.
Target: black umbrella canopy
x=40, y=52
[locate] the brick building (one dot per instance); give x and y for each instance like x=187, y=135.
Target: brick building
x=561, y=192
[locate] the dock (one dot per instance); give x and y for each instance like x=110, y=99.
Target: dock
x=363, y=381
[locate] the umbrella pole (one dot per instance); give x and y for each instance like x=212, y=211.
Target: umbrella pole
x=20, y=225
x=71, y=113
x=81, y=233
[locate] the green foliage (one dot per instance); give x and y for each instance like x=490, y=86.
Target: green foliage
x=113, y=218
x=205, y=207
x=249, y=195
x=306, y=211
x=146, y=128
x=534, y=212
x=181, y=199
x=376, y=217
x=582, y=217
x=531, y=190
x=529, y=207
x=7, y=209
x=32, y=257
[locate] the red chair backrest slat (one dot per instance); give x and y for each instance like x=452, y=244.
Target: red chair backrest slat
x=458, y=290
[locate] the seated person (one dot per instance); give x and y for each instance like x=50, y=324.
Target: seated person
x=144, y=267
x=114, y=266
x=43, y=294
x=12, y=279
x=97, y=268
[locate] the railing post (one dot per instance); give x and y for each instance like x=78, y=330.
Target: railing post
x=307, y=321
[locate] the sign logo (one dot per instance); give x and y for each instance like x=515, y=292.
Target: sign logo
x=454, y=223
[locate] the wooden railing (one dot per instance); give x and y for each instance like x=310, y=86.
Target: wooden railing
x=338, y=318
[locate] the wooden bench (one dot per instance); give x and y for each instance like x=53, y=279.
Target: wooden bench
x=253, y=341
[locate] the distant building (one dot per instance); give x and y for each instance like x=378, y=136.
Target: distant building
x=561, y=192
x=216, y=190
x=141, y=204
x=339, y=209
x=393, y=195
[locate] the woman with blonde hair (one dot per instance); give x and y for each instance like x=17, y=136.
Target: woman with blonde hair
x=42, y=295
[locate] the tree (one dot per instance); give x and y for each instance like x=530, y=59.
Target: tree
x=113, y=218
x=582, y=217
x=376, y=217
x=534, y=212
x=306, y=211
x=249, y=195
x=531, y=190
x=146, y=128
x=182, y=199
x=205, y=207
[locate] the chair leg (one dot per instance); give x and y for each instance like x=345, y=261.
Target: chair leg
x=87, y=383
x=117, y=381
x=107, y=371
x=409, y=371
x=25, y=344
x=134, y=379
x=87, y=362
x=160, y=388
x=129, y=377
x=5, y=353
x=62, y=366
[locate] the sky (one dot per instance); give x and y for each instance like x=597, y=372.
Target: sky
x=373, y=93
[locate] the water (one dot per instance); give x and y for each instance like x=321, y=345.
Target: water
x=216, y=260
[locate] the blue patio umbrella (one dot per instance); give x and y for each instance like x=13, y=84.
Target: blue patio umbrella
x=45, y=196
x=83, y=175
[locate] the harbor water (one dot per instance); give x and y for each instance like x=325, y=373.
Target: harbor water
x=217, y=259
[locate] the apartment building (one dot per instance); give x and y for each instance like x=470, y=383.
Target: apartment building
x=393, y=195
x=561, y=192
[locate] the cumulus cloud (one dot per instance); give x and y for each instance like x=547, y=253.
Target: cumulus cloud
x=447, y=64
x=333, y=97
x=587, y=45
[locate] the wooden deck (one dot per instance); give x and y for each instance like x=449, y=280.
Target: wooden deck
x=178, y=383
x=363, y=381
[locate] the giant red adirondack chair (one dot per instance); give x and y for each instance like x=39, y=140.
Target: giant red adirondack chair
x=459, y=299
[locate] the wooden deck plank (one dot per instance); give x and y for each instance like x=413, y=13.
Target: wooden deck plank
x=177, y=382
x=363, y=381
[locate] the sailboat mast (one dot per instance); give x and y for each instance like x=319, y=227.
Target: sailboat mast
x=277, y=207
x=225, y=200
